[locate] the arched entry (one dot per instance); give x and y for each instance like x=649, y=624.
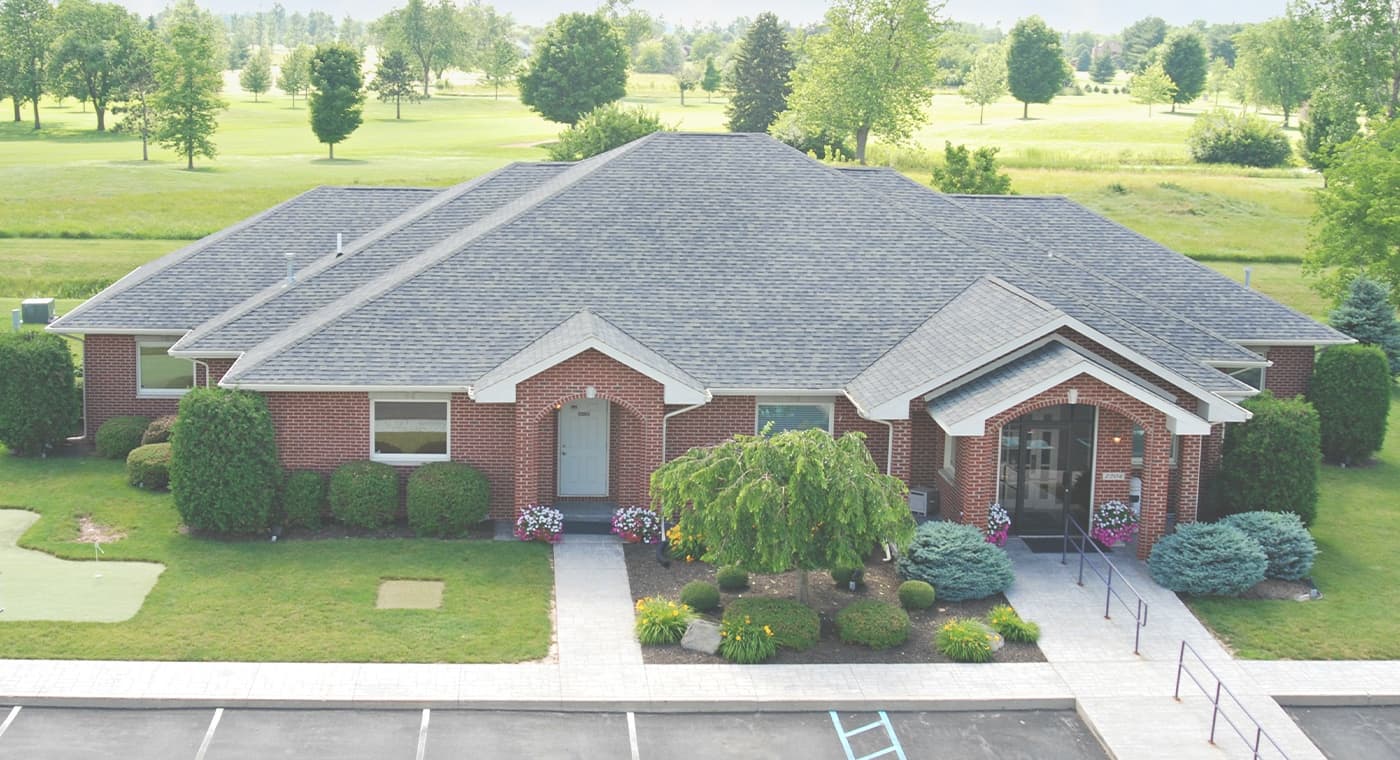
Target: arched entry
x=1047, y=468
x=582, y=443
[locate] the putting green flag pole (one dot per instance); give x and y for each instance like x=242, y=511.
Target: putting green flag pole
x=96, y=550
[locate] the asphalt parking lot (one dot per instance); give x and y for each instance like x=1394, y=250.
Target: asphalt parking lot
x=44, y=733
x=1352, y=732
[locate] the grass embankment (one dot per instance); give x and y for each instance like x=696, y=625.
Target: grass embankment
x=1357, y=530
x=260, y=601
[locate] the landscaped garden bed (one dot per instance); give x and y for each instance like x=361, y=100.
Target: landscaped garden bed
x=648, y=578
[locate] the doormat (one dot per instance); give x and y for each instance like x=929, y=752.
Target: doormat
x=1046, y=544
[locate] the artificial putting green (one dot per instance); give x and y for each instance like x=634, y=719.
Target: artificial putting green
x=39, y=586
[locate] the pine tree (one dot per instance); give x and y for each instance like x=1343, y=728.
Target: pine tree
x=394, y=81
x=762, y=76
x=337, y=94
x=1368, y=315
x=710, y=81
x=256, y=76
x=1103, y=70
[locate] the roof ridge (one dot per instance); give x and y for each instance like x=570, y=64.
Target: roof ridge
x=272, y=291
x=323, y=317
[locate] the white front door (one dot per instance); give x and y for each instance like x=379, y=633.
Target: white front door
x=583, y=448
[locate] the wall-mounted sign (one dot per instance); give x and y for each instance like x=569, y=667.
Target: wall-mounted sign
x=1115, y=476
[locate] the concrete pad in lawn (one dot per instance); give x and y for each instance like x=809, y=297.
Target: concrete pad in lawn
x=504, y=735
x=317, y=735
x=39, y=586
x=409, y=595
x=50, y=733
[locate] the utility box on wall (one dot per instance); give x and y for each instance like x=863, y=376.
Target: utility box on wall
x=36, y=311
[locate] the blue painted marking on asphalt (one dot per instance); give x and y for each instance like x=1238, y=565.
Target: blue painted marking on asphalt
x=883, y=722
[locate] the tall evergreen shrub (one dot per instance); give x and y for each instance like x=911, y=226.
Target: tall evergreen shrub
x=1351, y=391
x=223, y=471
x=39, y=404
x=1271, y=462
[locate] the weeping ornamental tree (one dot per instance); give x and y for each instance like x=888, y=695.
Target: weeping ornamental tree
x=796, y=500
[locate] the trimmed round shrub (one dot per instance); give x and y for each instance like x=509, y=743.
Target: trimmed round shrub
x=159, y=430
x=303, y=499
x=1288, y=545
x=224, y=471
x=1207, y=559
x=661, y=621
x=843, y=575
x=446, y=498
x=732, y=578
x=701, y=596
x=1351, y=391
x=957, y=561
x=39, y=401
x=119, y=435
x=1224, y=137
x=916, y=595
x=873, y=623
x=1006, y=621
x=964, y=640
x=364, y=494
x=1271, y=462
x=148, y=466
x=794, y=625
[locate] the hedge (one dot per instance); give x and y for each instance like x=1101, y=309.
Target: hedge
x=1271, y=461
x=957, y=561
x=1351, y=392
x=39, y=402
x=224, y=471
x=1207, y=559
x=873, y=623
x=119, y=435
x=446, y=498
x=364, y=494
x=1288, y=545
x=148, y=466
x=795, y=625
x=303, y=499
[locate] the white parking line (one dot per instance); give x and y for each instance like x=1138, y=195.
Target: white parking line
x=632, y=735
x=209, y=735
x=14, y=712
x=423, y=736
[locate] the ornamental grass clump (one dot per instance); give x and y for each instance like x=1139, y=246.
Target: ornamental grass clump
x=1007, y=621
x=964, y=640
x=1289, y=546
x=957, y=560
x=661, y=621
x=637, y=525
x=873, y=623
x=701, y=596
x=745, y=642
x=1208, y=559
x=916, y=595
x=795, y=625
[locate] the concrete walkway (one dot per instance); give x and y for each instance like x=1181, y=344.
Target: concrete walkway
x=1125, y=698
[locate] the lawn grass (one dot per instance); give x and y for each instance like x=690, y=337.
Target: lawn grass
x=1357, y=531
x=1282, y=282
x=300, y=601
x=71, y=269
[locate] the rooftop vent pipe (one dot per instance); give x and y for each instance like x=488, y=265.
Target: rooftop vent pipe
x=291, y=269
x=339, y=243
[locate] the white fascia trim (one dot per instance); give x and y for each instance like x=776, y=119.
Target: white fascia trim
x=675, y=390
x=1221, y=364
x=174, y=333
x=1179, y=421
x=205, y=354
x=779, y=392
x=311, y=388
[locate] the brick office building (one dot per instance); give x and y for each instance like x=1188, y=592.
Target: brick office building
x=566, y=328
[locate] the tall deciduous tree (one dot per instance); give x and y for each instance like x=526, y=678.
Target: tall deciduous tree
x=256, y=76
x=1184, y=60
x=710, y=80
x=94, y=39
x=873, y=70
x=579, y=65
x=1152, y=86
x=337, y=94
x=26, y=33
x=501, y=64
x=393, y=80
x=1356, y=229
x=762, y=76
x=986, y=80
x=295, y=76
x=413, y=28
x=189, y=74
x=1139, y=38
x=1218, y=79
x=1279, y=60
x=134, y=101
x=1330, y=122
x=1368, y=315
x=796, y=500
x=1035, y=63
x=1366, y=51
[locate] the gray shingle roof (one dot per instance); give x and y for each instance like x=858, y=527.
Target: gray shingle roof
x=180, y=291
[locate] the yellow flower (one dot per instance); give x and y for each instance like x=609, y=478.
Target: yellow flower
x=768, y=630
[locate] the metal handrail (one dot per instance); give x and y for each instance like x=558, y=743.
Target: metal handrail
x=1215, y=712
x=1139, y=611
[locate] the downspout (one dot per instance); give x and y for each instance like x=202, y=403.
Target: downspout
x=666, y=418
x=889, y=433
x=205, y=365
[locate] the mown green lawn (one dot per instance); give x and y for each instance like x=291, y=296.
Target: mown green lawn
x=297, y=601
x=1357, y=531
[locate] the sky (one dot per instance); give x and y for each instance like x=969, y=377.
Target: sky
x=1105, y=16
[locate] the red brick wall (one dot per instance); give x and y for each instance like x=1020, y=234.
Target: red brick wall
x=321, y=431
x=1113, y=457
x=876, y=434
x=1292, y=371
x=109, y=381
x=720, y=419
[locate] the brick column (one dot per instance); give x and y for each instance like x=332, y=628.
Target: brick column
x=1188, y=470
x=1156, y=486
x=976, y=476
x=900, y=463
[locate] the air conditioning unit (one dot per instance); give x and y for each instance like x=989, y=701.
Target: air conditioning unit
x=36, y=311
x=918, y=501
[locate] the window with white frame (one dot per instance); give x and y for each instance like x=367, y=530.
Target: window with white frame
x=1140, y=446
x=950, y=456
x=409, y=431
x=786, y=414
x=160, y=374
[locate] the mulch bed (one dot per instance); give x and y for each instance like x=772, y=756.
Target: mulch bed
x=882, y=582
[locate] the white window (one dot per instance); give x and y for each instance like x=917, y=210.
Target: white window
x=950, y=456
x=409, y=431
x=794, y=414
x=1251, y=376
x=160, y=374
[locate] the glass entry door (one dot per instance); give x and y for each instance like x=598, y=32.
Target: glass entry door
x=1047, y=460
